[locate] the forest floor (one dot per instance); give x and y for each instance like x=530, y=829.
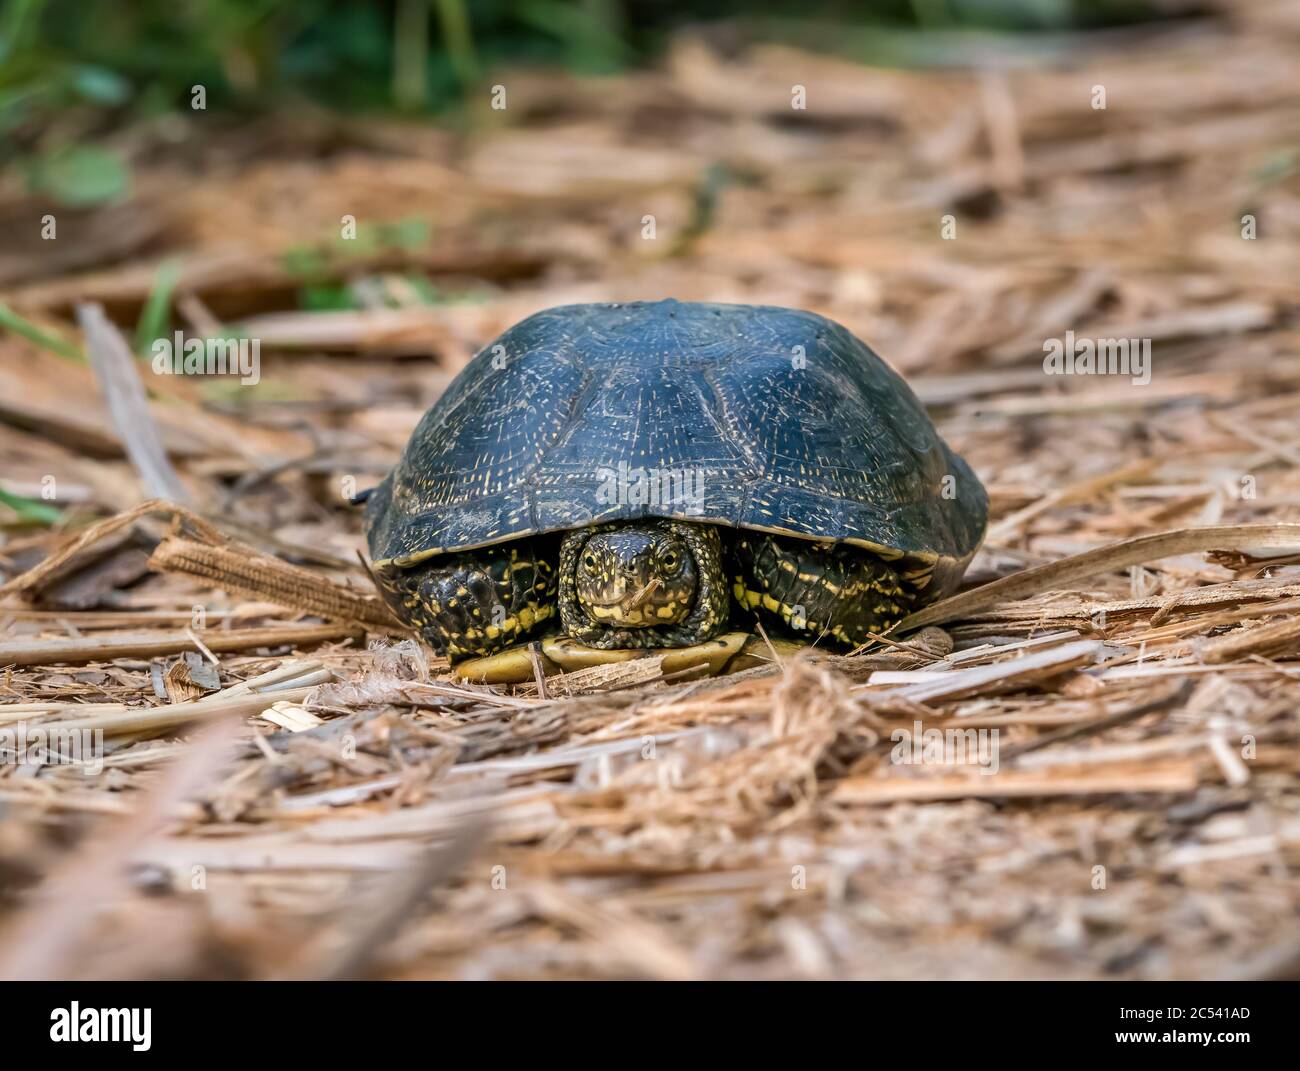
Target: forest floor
x=288, y=787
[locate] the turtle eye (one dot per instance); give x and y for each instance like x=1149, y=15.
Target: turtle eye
x=590, y=563
x=670, y=561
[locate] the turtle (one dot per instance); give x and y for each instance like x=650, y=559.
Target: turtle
x=641, y=475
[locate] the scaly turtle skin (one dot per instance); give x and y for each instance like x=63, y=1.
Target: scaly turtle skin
x=651, y=584
x=712, y=462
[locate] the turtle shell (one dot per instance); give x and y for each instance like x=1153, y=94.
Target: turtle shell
x=748, y=416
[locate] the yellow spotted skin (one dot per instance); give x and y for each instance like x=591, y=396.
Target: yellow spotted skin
x=817, y=590
x=477, y=603
x=480, y=602
x=634, y=576
x=643, y=584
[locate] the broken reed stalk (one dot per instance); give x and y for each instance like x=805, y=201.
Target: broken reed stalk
x=1169, y=777
x=37, y=652
x=1125, y=553
x=219, y=560
x=242, y=569
x=1278, y=638
x=999, y=676
x=128, y=403
x=171, y=715
x=67, y=557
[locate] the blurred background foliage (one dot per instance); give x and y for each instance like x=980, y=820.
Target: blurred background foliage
x=73, y=70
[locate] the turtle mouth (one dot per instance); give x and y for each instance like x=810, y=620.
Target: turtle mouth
x=634, y=577
x=643, y=606
x=633, y=598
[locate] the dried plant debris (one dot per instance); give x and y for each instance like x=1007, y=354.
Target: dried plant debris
x=1086, y=764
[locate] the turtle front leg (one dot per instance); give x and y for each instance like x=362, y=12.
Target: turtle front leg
x=818, y=589
x=476, y=603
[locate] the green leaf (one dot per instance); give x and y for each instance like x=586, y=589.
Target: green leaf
x=30, y=509
x=18, y=24
x=326, y=297
x=154, y=316
x=11, y=321
x=99, y=85
x=304, y=262
x=412, y=233
x=81, y=175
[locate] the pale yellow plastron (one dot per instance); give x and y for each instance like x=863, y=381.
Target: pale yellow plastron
x=715, y=653
x=514, y=665
x=758, y=652
x=559, y=655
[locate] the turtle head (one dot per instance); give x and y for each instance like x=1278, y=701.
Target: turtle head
x=636, y=576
